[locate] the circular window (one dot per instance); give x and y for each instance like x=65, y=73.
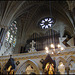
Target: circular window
x=46, y=23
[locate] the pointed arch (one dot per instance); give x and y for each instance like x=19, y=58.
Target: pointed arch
x=60, y=59
x=70, y=58
x=25, y=65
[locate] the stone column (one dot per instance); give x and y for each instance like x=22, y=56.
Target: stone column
x=2, y=36
x=67, y=70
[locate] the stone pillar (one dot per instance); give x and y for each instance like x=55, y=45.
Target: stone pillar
x=2, y=36
x=67, y=70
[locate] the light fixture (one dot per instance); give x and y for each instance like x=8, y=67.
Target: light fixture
x=46, y=48
x=54, y=50
x=58, y=45
x=52, y=46
x=47, y=51
x=62, y=48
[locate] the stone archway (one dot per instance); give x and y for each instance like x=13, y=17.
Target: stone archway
x=61, y=65
x=71, y=63
x=60, y=59
x=70, y=58
x=23, y=67
x=61, y=68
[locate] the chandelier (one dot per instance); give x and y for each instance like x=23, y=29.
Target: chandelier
x=54, y=50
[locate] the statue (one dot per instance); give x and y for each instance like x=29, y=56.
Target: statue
x=32, y=49
x=61, y=68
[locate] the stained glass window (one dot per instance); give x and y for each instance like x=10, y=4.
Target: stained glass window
x=7, y=35
x=11, y=34
x=46, y=23
x=11, y=38
x=14, y=42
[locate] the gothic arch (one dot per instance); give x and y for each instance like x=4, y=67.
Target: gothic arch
x=25, y=64
x=69, y=59
x=60, y=59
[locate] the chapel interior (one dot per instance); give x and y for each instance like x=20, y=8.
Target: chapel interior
x=37, y=37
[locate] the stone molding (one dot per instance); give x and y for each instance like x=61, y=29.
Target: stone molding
x=39, y=54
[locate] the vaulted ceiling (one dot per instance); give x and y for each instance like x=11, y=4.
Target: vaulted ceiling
x=29, y=13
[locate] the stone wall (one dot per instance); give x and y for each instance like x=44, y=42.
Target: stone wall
x=67, y=57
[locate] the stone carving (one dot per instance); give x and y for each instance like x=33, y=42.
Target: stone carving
x=61, y=68
x=32, y=49
x=72, y=65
